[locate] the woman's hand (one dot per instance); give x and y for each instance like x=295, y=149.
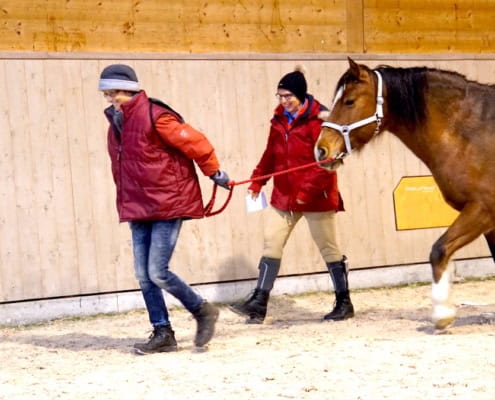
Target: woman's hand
x=254, y=195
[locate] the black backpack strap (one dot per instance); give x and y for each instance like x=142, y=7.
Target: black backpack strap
x=163, y=105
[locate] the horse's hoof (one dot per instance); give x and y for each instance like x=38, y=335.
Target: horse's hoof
x=443, y=323
x=443, y=317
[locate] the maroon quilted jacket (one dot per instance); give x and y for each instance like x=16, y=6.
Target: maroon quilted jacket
x=292, y=146
x=153, y=169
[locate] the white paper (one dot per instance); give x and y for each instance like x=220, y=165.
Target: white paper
x=256, y=205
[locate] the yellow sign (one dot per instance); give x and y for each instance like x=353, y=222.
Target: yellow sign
x=419, y=204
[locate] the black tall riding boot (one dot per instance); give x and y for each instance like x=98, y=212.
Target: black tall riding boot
x=343, y=308
x=254, y=307
x=256, y=304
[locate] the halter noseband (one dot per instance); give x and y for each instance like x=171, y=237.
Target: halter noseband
x=345, y=130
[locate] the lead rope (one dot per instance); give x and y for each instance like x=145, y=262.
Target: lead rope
x=209, y=206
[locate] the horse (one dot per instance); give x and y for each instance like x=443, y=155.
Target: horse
x=448, y=122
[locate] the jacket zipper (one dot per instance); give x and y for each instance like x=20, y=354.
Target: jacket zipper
x=119, y=160
x=286, y=135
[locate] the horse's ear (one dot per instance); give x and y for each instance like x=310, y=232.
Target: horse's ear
x=353, y=67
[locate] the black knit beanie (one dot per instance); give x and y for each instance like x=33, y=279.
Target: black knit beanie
x=118, y=77
x=296, y=83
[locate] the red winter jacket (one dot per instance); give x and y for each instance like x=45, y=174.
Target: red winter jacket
x=292, y=146
x=153, y=169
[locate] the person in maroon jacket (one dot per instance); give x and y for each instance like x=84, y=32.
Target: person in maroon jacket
x=152, y=151
x=311, y=193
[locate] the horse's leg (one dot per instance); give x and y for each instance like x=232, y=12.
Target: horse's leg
x=490, y=239
x=468, y=226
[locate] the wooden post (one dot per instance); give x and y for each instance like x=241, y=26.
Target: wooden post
x=355, y=26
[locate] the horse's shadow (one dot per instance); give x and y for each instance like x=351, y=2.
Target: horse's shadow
x=465, y=318
x=75, y=342
x=460, y=322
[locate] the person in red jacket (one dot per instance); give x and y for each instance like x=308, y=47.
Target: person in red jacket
x=152, y=152
x=311, y=193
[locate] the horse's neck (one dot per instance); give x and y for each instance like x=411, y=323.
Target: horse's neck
x=421, y=134
x=418, y=142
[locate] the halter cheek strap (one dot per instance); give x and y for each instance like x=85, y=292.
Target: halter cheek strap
x=345, y=130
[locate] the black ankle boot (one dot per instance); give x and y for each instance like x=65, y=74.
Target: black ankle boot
x=161, y=340
x=254, y=307
x=343, y=308
x=206, y=317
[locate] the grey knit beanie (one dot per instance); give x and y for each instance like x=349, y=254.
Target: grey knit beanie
x=118, y=77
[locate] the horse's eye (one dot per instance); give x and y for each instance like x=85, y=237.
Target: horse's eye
x=348, y=102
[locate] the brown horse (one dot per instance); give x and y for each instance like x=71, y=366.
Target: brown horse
x=448, y=122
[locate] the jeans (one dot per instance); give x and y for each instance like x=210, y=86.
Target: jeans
x=153, y=243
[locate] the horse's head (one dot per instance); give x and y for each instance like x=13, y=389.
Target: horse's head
x=354, y=117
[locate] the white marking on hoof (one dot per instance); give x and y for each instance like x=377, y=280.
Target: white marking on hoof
x=442, y=316
x=440, y=290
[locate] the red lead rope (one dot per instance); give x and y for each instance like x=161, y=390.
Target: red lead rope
x=211, y=203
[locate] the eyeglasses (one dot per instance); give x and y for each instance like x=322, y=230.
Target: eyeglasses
x=110, y=93
x=281, y=97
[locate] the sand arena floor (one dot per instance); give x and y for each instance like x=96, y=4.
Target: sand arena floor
x=388, y=351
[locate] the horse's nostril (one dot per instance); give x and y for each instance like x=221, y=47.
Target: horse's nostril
x=321, y=153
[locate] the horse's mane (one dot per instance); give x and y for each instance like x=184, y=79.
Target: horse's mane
x=406, y=88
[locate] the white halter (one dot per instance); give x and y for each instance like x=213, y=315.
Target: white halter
x=345, y=130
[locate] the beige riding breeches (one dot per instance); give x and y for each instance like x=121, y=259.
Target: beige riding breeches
x=279, y=225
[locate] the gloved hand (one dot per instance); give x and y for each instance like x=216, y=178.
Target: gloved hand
x=221, y=179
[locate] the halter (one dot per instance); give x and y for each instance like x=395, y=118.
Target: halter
x=345, y=130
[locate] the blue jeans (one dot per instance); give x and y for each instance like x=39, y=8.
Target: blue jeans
x=153, y=243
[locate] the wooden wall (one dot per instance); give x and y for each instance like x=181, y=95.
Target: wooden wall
x=58, y=226
x=218, y=63
x=255, y=26
x=429, y=26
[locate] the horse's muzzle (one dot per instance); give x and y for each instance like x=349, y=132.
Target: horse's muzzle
x=321, y=154
x=332, y=164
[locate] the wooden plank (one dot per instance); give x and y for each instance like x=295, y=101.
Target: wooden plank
x=257, y=93
x=429, y=26
x=84, y=224
x=154, y=25
x=355, y=26
x=23, y=164
x=227, y=138
x=11, y=282
x=65, y=280
x=251, y=135
x=43, y=191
